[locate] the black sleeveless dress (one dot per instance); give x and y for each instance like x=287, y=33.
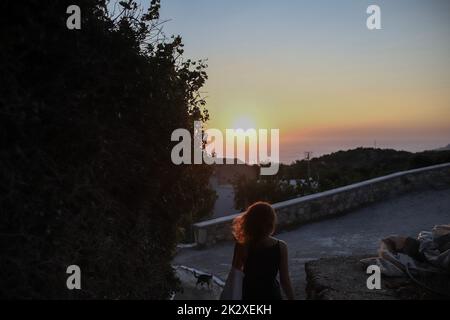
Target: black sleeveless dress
x=261, y=270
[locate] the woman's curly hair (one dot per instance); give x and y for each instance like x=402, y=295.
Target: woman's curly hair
x=254, y=224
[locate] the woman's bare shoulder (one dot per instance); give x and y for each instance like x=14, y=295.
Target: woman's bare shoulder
x=282, y=243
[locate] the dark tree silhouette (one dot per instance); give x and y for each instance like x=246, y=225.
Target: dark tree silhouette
x=86, y=176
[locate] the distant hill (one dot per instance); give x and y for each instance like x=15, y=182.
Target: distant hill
x=444, y=148
x=331, y=171
x=347, y=167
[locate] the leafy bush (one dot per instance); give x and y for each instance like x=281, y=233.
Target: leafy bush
x=85, y=123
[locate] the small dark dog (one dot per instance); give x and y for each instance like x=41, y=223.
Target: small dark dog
x=203, y=279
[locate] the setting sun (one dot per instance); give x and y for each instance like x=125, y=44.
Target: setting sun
x=244, y=122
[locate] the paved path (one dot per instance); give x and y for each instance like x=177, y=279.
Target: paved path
x=357, y=232
x=224, y=204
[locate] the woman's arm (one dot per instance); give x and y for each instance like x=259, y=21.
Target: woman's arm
x=284, y=272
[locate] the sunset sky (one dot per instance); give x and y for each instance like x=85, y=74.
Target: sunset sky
x=313, y=70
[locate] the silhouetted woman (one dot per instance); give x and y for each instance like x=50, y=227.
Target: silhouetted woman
x=259, y=255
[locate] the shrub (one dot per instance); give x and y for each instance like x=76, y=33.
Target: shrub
x=85, y=123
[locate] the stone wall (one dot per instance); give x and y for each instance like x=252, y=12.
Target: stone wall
x=334, y=202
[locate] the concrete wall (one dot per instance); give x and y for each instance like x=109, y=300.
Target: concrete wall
x=334, y=202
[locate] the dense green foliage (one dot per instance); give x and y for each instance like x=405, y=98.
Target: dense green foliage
x=331, y=171
x=85, y=123
x=271, y=189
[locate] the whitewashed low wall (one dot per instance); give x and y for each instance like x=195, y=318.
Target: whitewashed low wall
x=334, y=202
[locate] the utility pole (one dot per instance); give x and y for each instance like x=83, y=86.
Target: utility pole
x=308, y=155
